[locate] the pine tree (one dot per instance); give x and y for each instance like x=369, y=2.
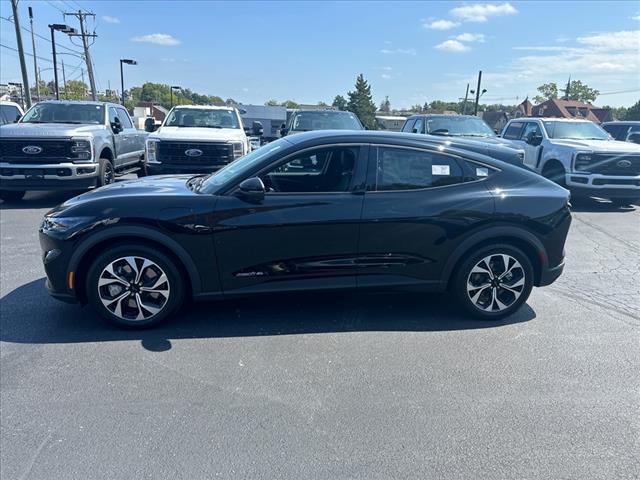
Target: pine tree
x=339, y=102
x=361, y=103
x=385, y=105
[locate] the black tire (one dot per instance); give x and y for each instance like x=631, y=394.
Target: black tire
x=484, y=296
x=12, y=195
x=555, y=172
x=143, y=170
x=135, y=301
x=106, y=172
x=623, y=202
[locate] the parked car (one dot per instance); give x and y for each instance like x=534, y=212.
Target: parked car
x=197, y=139
x=468, y=132
x=65, y=145
x=10, y=112
x=623, y=131
x=318, y=210
x=310, y=120
x=580, y=156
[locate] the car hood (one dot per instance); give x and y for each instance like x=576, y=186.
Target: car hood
x=160, y=185
x=47, y=129
x=200, y=134
x=614, y=146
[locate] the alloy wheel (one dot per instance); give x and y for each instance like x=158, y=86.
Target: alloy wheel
x=496, y=282
x=108, y=173
x=133, y=288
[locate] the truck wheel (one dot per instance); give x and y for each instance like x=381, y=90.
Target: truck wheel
x=134, y=286
x=493, y=282
x=106, y=172
x=12, y=195
x=555, y=172
x=143, y=170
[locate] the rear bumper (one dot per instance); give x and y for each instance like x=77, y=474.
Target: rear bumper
x=56, y=176
x=550, y=275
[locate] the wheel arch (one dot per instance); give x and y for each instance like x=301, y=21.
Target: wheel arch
x=91, y=246
x=517, y=237
x=106, y=153
x=553, y=162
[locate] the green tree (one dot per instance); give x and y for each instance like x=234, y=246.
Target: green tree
x=438, y=106
x=322, y=104
x=385, y=105
x=75, y=90
x=272, y=103
x=339, y=102
x=633, y=112
x=417, y=108
x=361, y=103
x=548, y=91
x=290, y=104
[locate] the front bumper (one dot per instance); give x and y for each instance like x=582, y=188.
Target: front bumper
x=54, y=176
x=608, y=186
x=56, y=255
x=175, y=169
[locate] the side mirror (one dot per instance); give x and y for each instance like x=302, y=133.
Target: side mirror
x=283, y=130
x=634, y=138
x=18, y=117
x=149, y=125
x=256, y=129
x=533, y=139
x=116, y=126
x=252, y=189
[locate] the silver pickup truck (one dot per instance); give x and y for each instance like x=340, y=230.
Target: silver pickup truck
x=65, y=145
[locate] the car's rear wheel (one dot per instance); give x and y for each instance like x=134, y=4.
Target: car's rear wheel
x=134, y=286
x=12, y=195
x=494, y=282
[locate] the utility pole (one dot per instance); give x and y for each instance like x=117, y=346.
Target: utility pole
x=475, y=108
x=64, y=82
x=466, y=95
x=81, y=16
x=35, y=59
x=23, y=65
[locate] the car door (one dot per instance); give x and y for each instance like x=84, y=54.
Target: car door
x=419, y=201
x=304, y=233
x=132, y=149
x=532, y=149
x=119, y=140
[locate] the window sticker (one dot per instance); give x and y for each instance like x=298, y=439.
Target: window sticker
x=440, y=170
x=482, y=172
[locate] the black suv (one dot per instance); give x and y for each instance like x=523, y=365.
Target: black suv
x=315, y=211
x=309, y=120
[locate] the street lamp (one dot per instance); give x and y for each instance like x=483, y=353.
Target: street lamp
x=172, y=88
x=128, y=62
x=60, y=27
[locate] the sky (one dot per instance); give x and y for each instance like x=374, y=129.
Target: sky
x=412, y=52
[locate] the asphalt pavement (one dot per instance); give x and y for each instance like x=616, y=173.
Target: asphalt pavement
x=328, y=386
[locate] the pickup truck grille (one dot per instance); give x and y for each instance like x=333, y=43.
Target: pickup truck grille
x=212, y=153
x=617, y=164
x=53, y=151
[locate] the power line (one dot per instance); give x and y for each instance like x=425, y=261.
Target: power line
x=43, y=38
x=619, y=91
x=55, y=6
x=26, y=53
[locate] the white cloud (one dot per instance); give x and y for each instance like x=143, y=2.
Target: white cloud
x=635, y=17
x=386, y=76
x=403, y=51
x=625, y=40
x=158, y=39
x=544, y=48
x=109, y=19
x=480, y=12
x=441, y=24
x=387, y=69
x=453, y=46
x=470, y=37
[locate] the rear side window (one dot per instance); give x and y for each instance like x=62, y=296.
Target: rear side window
x=408, y=125
x=513, y=131
x=476, y=171
x=407, y=169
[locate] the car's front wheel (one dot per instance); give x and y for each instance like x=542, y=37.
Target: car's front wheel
x=134, y=286
x=12, y=195
x=494, y=282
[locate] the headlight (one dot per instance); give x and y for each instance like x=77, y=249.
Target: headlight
x=81, y=149
x=151, y=151
x=238, y=149
x=62, y=224
x=582, y=162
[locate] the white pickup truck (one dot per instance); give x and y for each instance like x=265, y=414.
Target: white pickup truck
x=197, y=139
x=580, y=156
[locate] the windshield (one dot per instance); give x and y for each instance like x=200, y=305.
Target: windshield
x=65, y=113
x=459, y=127
x=322, y=120
x=202, y=118
x=242, y=165
x=575, y=130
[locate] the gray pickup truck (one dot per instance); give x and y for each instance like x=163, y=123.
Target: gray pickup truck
x=65, y=145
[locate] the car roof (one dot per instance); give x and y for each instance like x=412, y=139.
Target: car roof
x=81, y=102
x=622, y=122
x=205, y=107
x=551, y=119
x=311, y=110
x=441, y=115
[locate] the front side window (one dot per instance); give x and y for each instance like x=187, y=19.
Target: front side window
x=65, y=113
x=8, y=114
x=513, y=131
x=575, y=130
x=531, y=129
x=408, y=125
x=419, y=126
x=113, y=114
x=124, y=118
x=202, y=118
x=407, y=169
x=314, y=171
